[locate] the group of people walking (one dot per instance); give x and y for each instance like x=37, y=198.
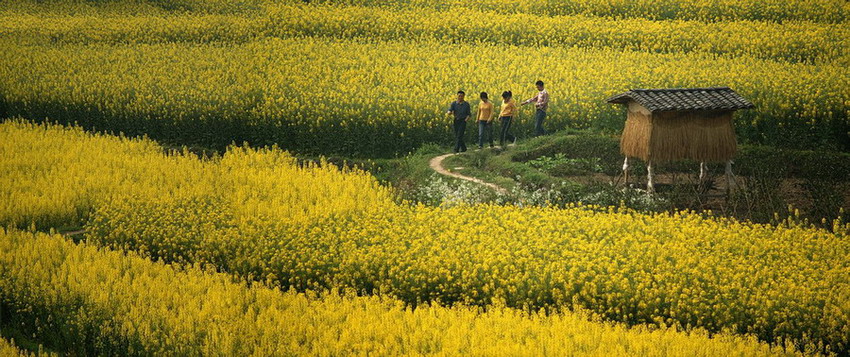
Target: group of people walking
x=462, y=112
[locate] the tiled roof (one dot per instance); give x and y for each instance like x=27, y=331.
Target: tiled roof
x=715, y=98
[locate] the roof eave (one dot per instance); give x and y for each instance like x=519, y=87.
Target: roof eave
x=621, y=98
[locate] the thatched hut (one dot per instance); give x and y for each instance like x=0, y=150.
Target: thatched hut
x=681, y=123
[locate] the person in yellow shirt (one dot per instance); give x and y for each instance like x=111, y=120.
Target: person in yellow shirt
x=509, y=111
x=485, y=120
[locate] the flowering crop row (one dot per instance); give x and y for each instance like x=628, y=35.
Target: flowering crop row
x=260, y=218
x=797, y=41
x=136, y=6
x=781, y=284
x=87, y=301
x=8, y=349
x=832, y=11
x=54, y=177
x=791, y=40
x=825, y=11
x=389, y=97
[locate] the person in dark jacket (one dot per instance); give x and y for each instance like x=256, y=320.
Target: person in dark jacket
x=461, y=111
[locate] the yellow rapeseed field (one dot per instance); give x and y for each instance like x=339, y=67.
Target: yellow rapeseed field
x=256, y=214
x=719, y=10
x=54, y=177
x=345, y=96
x=780, y=11
x=371, y=78
x=252, y=252
x=779, y=283
x=795, y=41
x=135, y=7
x=8, y=349
x=91, y=302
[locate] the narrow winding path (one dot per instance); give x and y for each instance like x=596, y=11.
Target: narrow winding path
x=437, y=165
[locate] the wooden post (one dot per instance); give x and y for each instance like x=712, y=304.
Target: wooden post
x=730, y=177
x=626, y=172
x=650, y=185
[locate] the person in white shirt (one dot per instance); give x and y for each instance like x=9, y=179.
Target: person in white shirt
x=541, y=101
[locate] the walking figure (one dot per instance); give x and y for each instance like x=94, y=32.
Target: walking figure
x=541, y=101
x=462, y=112
x=485, y=120
x=509, y=111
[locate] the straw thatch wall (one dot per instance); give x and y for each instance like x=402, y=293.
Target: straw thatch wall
x=677, y=135
x=636, y=134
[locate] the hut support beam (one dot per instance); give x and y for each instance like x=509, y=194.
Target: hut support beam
x=730, y=177
x=626, y=172
x=650, y=178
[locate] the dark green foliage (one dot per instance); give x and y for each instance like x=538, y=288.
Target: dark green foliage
x=770, y=181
